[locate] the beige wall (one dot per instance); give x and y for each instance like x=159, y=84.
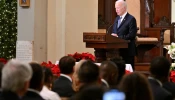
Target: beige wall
x=173, y=11
x=67, y=20
x=134, y=9
x=81, y=16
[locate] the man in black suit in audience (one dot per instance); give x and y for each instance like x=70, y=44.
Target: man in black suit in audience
x=159, y=71
x=36, y=83
x=125, y=27
x=63, y=85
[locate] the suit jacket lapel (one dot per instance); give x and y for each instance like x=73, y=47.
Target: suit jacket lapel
x=123, y=21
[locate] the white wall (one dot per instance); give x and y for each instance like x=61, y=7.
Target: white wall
x=26, y=22
x=32, y=26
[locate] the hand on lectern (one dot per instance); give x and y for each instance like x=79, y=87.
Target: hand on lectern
x=113, y=34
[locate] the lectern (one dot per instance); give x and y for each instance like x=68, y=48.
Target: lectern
x=105, y=45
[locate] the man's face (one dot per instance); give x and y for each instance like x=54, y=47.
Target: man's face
x=120, y=9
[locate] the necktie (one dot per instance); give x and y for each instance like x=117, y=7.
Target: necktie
x=119, y=22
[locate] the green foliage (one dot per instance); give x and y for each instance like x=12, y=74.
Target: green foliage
x=8, y=28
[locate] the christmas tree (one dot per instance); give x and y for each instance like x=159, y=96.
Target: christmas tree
x=8, y=28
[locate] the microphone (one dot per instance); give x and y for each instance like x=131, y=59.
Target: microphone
x=107, y=31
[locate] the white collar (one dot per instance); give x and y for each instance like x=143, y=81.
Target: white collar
x=105, y=82
x=160, y=83
x=64, y=75
x=123, y=16
x=33, y=90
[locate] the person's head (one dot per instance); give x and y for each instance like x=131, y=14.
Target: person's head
x=67, y=64
x=16, y=76
x=159, y=68
x=121, y=66
x=88, y=73
x=109, y=72
x=37, y=79
x=75, y=78
x=136, y=87
x=120, y=7
x=93, y=92
x=1, y=66
x=48, y=77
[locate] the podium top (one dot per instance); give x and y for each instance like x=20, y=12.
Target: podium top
x=102, y=38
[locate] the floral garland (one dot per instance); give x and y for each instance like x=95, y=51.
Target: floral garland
x=80, y=56
x=54, y=68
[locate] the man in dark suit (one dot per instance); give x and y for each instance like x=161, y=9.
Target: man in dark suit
x=159, y=71
x=36, y=83
x=63, y=85
x=125, y=27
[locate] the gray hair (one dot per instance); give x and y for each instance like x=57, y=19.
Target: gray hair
x=15, y=74
x=123, y=3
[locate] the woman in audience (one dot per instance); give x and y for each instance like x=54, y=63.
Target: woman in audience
x=46, y=92
x=136, y=87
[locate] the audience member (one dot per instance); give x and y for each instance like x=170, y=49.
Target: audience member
x=92, y=92
x=136, y=87
x=36, y=83
x=15, y=80
x=159, y=71
x=109, y=73
x=88, y=74
x=75, y=79
x=46, y=92
x=1, y=67
x=121, y=67
x=63, y=85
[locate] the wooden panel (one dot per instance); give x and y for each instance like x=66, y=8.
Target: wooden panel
x=162, y=8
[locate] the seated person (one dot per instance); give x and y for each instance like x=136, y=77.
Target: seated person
x=136, y=87
x=159, y=71
x=15, y=80
x=46, y=92
x=121, y=67
x=36, y=83
x=63, y=85
x=109, y=73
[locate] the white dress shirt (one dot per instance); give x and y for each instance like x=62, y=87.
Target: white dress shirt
x=47, y=94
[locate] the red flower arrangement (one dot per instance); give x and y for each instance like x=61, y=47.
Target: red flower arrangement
x=4, y=61
x=54, y=68
x=172, y=73
x=80, y=56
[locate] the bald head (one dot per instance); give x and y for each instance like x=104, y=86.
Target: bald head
x=121, y=7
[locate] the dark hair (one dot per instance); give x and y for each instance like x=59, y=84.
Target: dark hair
x=91, y=92
x=37, y=76
x=110, y=72
x=136, y=87
x=66, y=64
x=1, y=67
x=47, y=75
x=88, y=72
x=121, y=66
x=160, y=67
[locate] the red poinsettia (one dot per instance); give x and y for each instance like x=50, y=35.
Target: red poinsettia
x=4, y=61
x=172, y=76
x=54, y=68
x=80, y=56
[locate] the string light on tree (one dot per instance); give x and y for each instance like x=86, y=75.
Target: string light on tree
x=8, y=28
